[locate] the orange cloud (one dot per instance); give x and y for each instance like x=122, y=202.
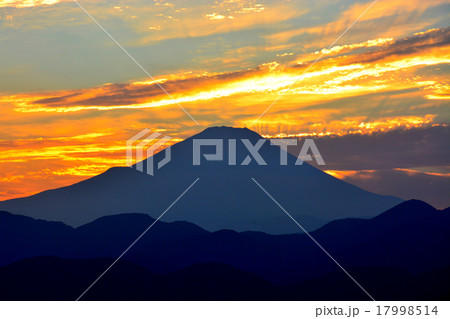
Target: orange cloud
x=410, y=171
x=204, y=20
x=359, y=126
x=371, y=174
x=27, y=3
x=387, y=19
x=352, y=75
x=362, y=174
x=349, y=47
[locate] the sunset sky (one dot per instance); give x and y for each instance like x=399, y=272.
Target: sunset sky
x=70, y=97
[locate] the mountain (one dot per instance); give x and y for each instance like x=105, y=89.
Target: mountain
x=412, y=236
x=225, y=196
x=46, y=278
x=24, y=237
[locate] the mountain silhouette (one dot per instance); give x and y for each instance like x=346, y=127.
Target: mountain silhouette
x=45, y=278
x=23, y=237
x=225, y=196
x=52, y=278
x=413, y=237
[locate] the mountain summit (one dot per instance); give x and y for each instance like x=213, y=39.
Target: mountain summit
x=225, y=196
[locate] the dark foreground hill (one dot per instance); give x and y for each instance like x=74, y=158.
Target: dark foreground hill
x=225, y=196
x=51, y=278
x=412, y=236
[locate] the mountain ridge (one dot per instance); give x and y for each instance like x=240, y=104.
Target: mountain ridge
x=45, y=278
x=224, y=196
x=414, y=244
